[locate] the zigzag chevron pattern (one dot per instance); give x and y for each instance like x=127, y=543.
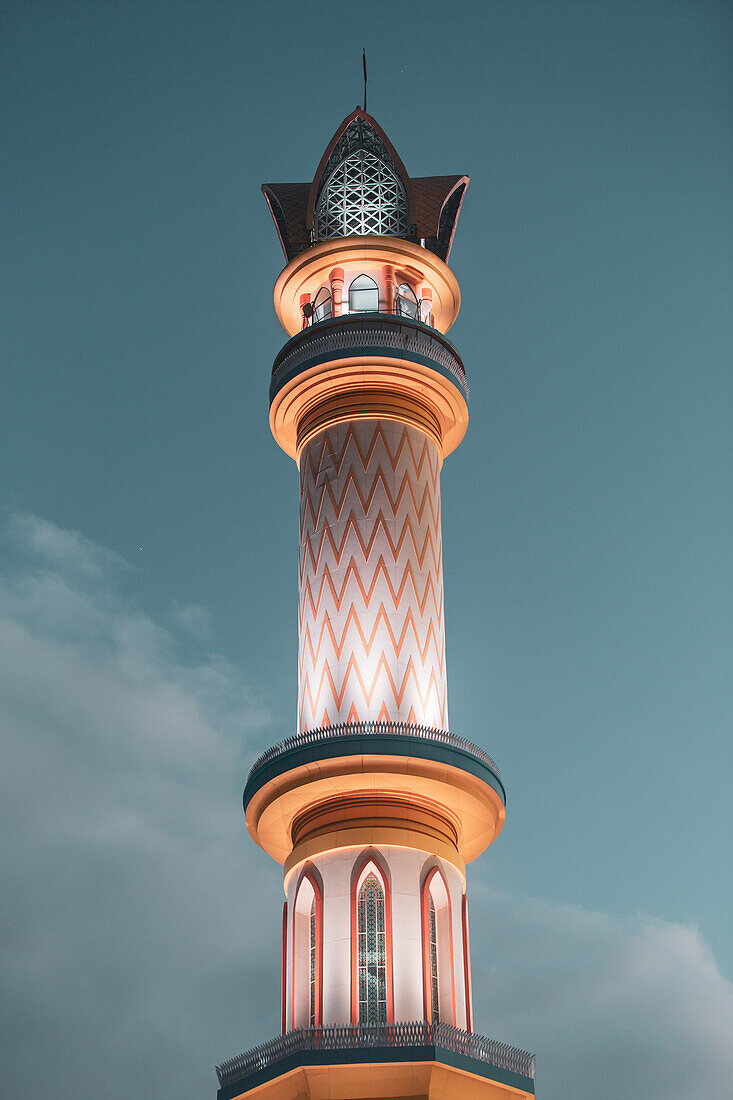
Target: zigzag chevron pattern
x=372, y=642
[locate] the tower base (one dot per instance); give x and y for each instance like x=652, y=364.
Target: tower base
x=392, y=1062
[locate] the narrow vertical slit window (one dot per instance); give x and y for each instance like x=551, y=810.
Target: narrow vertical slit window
x=372, y=952
x=312, y=1016
x=434, y=998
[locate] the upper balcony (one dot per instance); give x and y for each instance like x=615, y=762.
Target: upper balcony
x=429, y=789
x=361, y=332
x=366, y=274
x=368, y=365
x=395, y=1053
x=365, y=295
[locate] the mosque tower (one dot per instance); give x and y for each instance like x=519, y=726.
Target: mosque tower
x=374, y=807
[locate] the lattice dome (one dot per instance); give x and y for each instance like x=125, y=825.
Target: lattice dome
x=363, y=196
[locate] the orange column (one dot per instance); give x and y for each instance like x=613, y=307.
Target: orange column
x=388, y=276
x=336, y=279
x=426, y=310
x=304, y=300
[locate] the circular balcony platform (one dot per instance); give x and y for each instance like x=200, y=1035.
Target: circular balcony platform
x=401, y=1059
x=355, y=332
x=364, y=366
x=374, y=783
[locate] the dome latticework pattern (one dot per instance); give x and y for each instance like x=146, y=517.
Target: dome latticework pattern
x=362, y=194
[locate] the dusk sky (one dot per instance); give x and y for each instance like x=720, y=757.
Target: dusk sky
x=148, y=581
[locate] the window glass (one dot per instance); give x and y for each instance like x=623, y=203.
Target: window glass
x=312, y=1018
x=322, y=305
x=372, y=952
x=434, y=999
x=407, y=301
x=363, y=295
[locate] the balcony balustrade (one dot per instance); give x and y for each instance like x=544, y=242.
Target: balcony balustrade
x=373, y=729
x=381, y=333
x=423, y=1037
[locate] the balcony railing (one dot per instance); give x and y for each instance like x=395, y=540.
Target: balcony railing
x=371, y=729
x=350, y=333
x=365, y=1037
x=418, y=311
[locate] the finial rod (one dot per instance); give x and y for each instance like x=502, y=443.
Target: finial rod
x=363, y=61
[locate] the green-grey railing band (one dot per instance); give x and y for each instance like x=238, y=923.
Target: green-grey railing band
x=373, y=738
x=367, y=334
x=419, y=1040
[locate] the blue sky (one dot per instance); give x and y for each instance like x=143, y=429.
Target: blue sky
x=148, y=589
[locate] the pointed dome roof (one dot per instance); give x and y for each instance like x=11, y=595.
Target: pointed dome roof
x=361, y=188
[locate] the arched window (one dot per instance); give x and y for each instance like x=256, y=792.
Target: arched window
x=313, y=966
x=466, y=964
x=284, y=974
x=437, y=925
x=433, y=937
x=363, y=196
x=372, y=952
x=307, y=956
x=407, y=302
x=322, y=308
x=363, y=295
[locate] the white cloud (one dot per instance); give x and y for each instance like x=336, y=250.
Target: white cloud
x=140, y=939
x=130, y=929
x=66, y=550
x=192, y=618
x=613, y=1007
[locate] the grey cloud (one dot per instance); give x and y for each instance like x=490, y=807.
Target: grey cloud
x=67, y=550
x=136, y=916
x=612, y=1006
x=140, y=926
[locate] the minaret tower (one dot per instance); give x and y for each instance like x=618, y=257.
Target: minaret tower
x=374, y=807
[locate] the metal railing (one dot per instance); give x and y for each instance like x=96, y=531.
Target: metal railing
x=371, y=729
x=363, y=1037
x=317, y=316
x=351, y=331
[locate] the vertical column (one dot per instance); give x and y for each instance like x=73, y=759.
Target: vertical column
x=388, y=277
x=426, y=311
x=336, y=279
x=303, y=301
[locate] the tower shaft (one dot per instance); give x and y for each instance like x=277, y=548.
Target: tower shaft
x=372, y=639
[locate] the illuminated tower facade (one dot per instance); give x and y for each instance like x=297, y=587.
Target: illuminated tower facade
x=373, y=807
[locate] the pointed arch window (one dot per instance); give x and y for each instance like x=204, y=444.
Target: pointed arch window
x=438, y=963
x=433, y=937
x=363, y=196
x=363, y=295
x=307, y=953
x=322, y=305
x=313, y=966
x=407, y=302
x=372, y=952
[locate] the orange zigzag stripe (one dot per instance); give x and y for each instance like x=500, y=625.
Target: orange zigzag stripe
x=405, y=486
x=352, y=619
x=315, y=452
x=367, y=692
x=379, y=523
x=352, y=572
